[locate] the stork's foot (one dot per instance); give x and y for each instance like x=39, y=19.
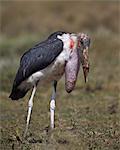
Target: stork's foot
x=25, y=133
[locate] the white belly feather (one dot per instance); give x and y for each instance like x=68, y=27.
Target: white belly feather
x=53, y=72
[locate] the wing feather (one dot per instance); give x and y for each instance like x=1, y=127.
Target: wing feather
x=37, y=58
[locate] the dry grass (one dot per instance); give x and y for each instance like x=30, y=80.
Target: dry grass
x=45, y=17
x=88, y=118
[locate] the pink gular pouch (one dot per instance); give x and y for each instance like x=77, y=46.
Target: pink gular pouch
x=71, y=70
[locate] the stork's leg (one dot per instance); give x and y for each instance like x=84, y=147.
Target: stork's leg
x=30, y=105
x=52, y=105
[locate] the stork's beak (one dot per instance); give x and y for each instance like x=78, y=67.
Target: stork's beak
x=83, y=46
x=85, y=63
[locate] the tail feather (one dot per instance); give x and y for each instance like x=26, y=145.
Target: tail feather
x=16, y=94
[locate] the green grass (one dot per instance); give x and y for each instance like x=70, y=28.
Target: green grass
x=11, y=47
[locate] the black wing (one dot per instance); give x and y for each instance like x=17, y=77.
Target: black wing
x=37, y=58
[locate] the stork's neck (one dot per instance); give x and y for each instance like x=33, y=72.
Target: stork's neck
x=69, y=40
x=74, y=41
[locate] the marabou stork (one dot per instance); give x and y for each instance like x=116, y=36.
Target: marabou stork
x=46, y=63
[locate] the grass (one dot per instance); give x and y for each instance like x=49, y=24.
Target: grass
x=86, y=119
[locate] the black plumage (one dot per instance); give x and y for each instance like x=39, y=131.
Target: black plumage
x=36, y=59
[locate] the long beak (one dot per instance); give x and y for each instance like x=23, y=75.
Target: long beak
x=85, y=64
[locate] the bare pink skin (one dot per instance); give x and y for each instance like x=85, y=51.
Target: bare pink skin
x=71, y=70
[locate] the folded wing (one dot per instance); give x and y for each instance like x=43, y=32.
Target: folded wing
x=36, y=59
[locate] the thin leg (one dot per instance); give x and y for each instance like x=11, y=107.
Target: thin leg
x=30, y=105
x=52, y=105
